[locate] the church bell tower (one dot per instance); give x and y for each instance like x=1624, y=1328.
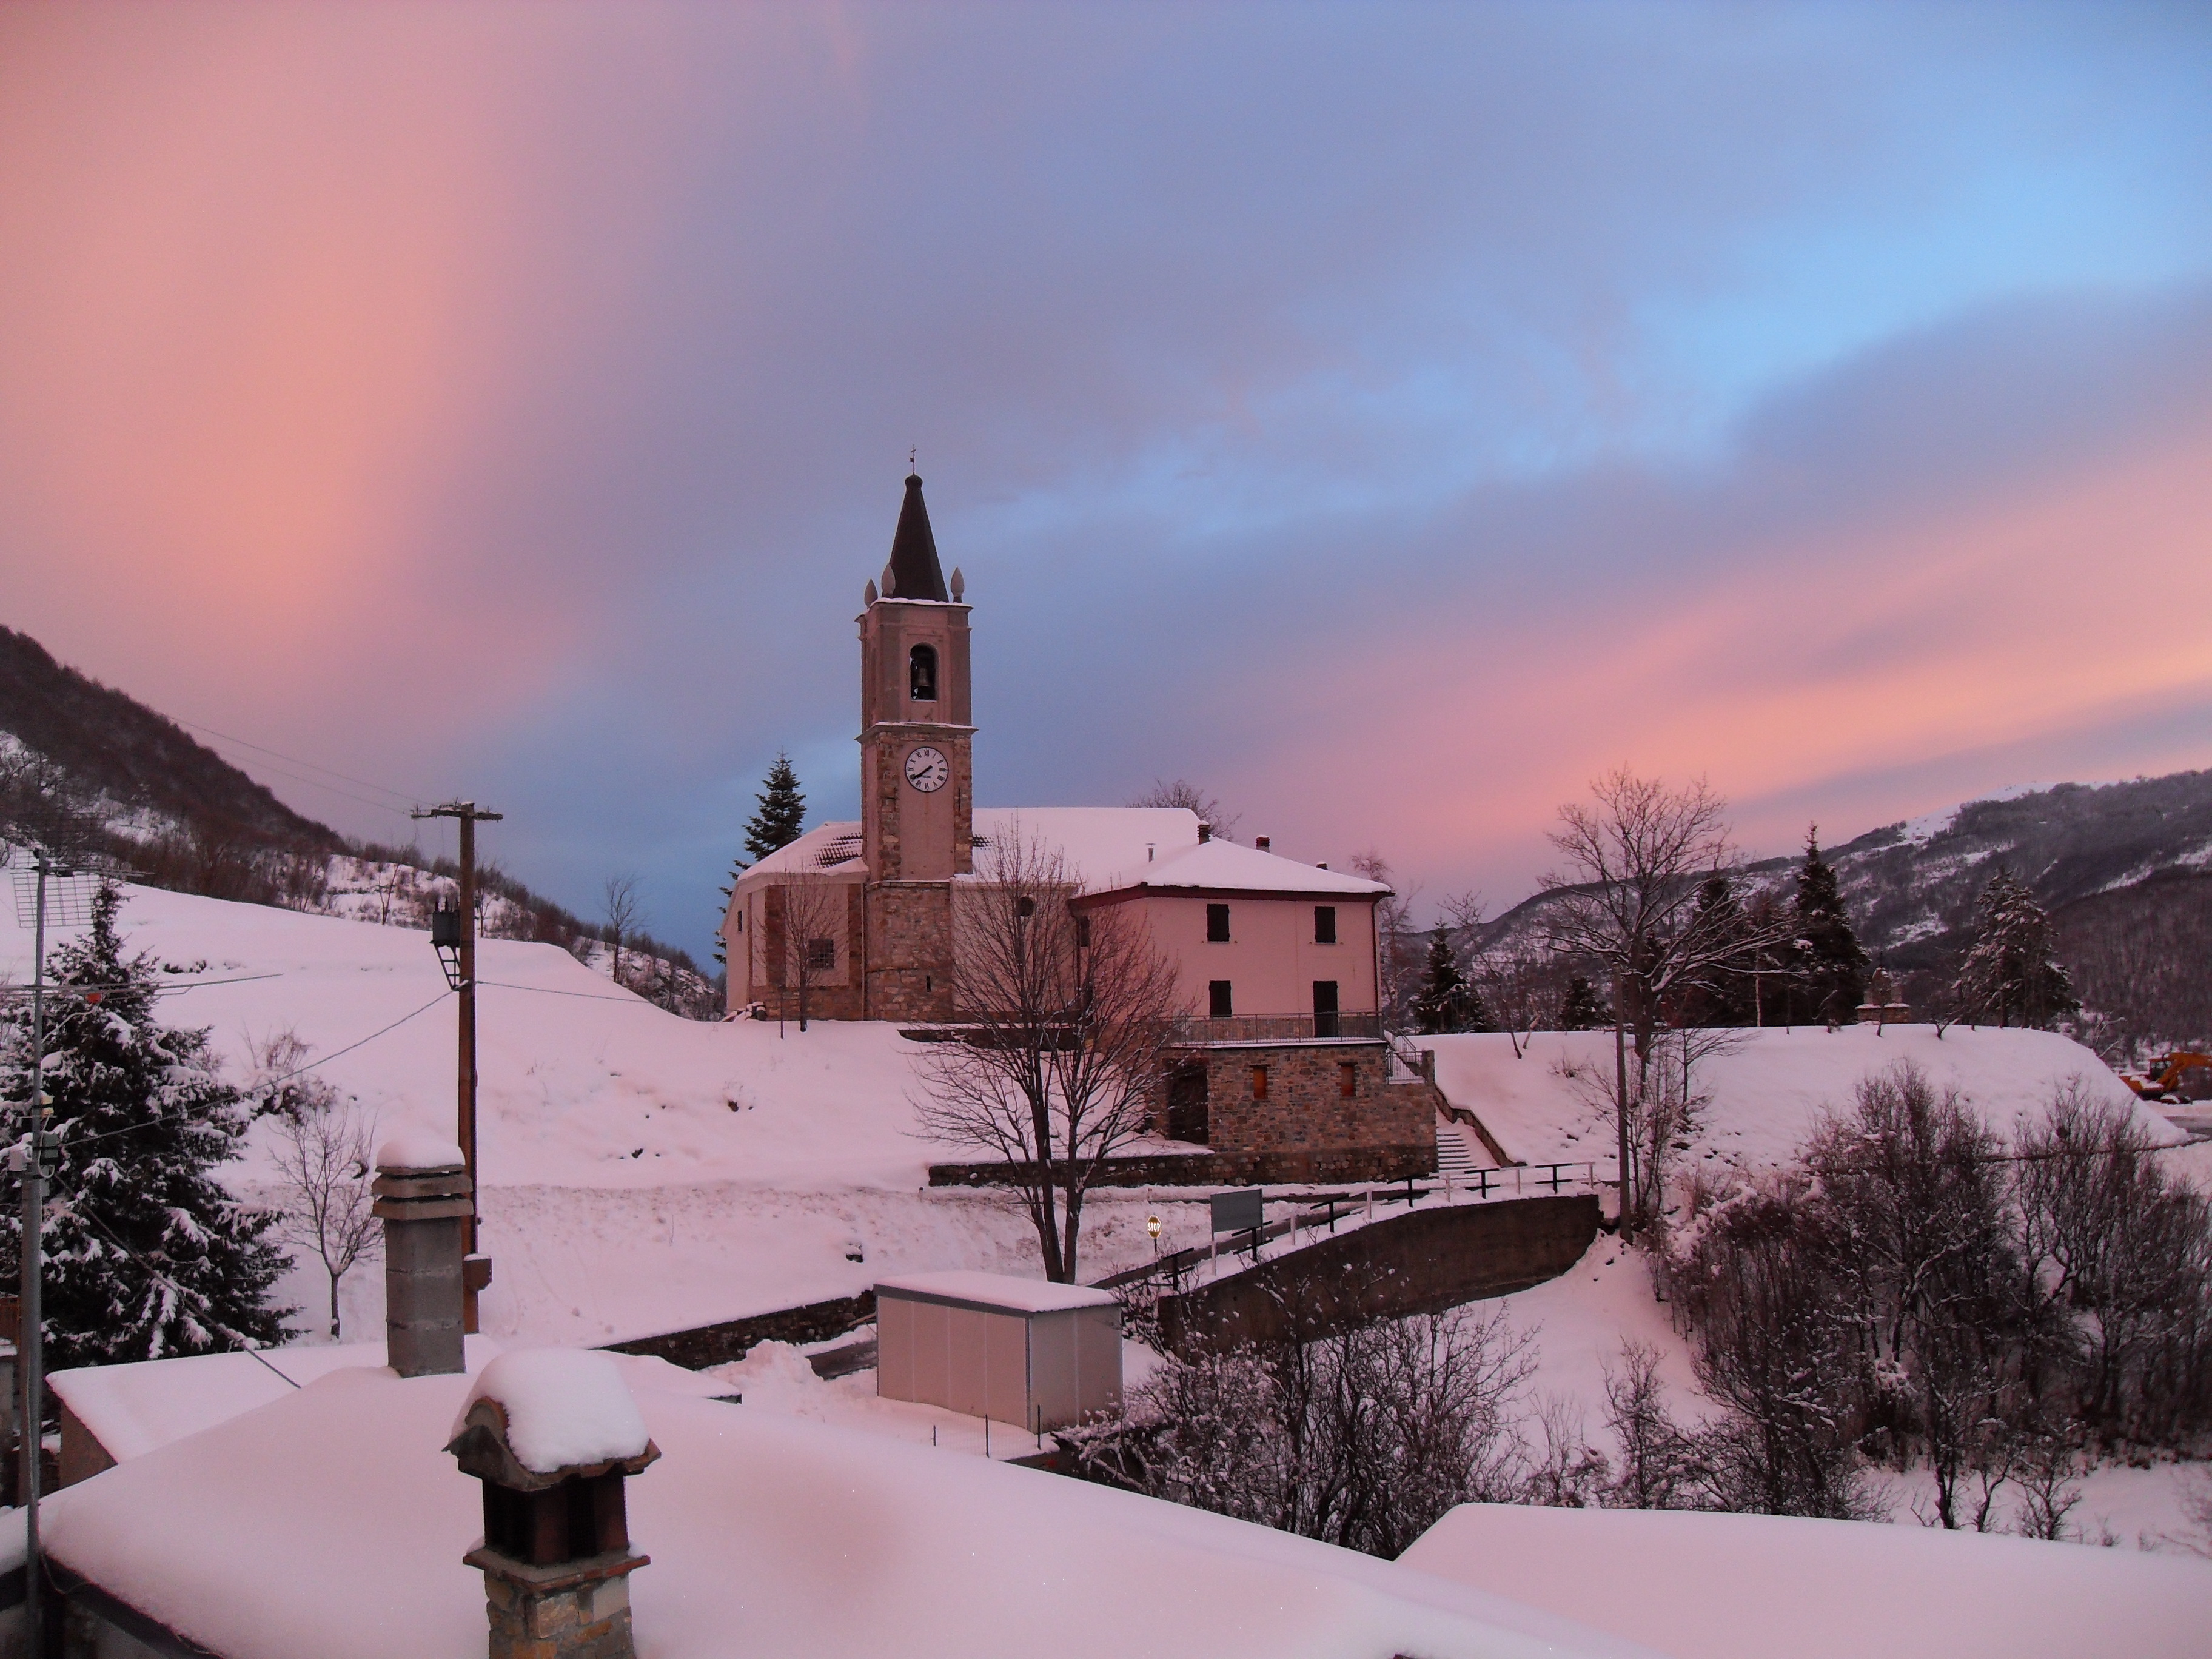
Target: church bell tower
x=917, y=771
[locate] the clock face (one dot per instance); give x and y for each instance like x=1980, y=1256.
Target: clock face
x=926, y=769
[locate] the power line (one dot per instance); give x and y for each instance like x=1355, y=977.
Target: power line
x=410, y=797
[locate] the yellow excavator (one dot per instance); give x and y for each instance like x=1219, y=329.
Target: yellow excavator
x=2182, y=1075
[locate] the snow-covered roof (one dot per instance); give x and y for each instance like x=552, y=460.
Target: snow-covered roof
x=564, y=1407
x=1228, y=865
x=331, y=1521
x=134, y=1409
x=1107, y=848
x=825, y=846
x=998, y=1291
x=1747, y=1586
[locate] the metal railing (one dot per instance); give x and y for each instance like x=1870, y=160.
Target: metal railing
x=1280, y=1028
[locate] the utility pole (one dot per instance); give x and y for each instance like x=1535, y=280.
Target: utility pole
x=1620, y=1086
x=36, y=1157
x=476, y=1272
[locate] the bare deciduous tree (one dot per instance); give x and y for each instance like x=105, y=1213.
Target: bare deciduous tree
x=1185, y=794
x=1398, y=947
x=623, y=912
x=325, y=1153
x=1066, y=1022
x=811, y=910
x=1626, y=899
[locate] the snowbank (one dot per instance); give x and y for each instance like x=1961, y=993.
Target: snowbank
x=564, y=1407
x=1766, y=1088
x=1750, y=1586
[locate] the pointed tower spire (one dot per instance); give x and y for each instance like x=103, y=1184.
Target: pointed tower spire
x=914, y=565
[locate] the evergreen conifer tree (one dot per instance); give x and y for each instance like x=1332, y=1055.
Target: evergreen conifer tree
x=777, y=823
x=2012, y=971
x=1721, y=992
x=782, y=812
x=1580, y=1009
x=1444, y=1001
x=146, y=1255
x=1832, y=968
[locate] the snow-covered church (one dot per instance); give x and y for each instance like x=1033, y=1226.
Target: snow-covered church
x=1276, y=960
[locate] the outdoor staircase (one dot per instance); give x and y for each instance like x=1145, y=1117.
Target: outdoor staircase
x=1454, y=1156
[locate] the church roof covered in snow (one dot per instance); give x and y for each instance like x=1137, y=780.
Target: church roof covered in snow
x=1108, y=848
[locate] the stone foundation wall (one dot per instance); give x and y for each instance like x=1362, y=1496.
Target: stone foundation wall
x=1306, y=1110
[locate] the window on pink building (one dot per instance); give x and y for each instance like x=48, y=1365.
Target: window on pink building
x=1217, y=924
x=1218, y=1001
x=1324, y=924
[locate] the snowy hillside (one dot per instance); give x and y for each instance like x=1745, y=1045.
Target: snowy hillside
x=642, y=1171
x=1765, y=1089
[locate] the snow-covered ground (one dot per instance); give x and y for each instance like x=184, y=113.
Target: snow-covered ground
x=1765, y=1089
x=644, y=1172
x=641, y=1172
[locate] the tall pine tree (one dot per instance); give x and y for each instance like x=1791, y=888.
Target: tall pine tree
x=1581, y=1009
x=1832, y=968
x=1720, y=994
x=1445, y=1001
x=2012, y=971
x=146, y=1255
x=782, y=812
x=777, y=823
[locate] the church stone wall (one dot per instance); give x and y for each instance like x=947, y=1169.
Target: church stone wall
x=1306, y=1110
x=909, y=951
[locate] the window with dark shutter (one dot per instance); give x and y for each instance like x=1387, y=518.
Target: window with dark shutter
x=1217, y=924
x=1217, y=1000
x=1324, y=924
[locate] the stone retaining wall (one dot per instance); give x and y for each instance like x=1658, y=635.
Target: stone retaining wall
x=1420, y=1262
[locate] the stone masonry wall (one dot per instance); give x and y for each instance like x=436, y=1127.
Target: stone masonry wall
x=1306, y=1110
x=909, y=951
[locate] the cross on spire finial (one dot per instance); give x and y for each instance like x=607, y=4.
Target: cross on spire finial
x=910, y=455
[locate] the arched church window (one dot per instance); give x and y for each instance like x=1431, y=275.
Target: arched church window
x=922, y=673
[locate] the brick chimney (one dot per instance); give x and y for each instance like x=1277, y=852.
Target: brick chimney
x=1263, y=843
x=423, y=1197
x=553, y=1434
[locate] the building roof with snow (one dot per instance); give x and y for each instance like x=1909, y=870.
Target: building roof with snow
x=332, y=1522
x=1110, y=849
x=1747, y=1586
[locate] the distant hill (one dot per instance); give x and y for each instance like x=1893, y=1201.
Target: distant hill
x=2126, y=869
x=179, y=816
x=110, y=746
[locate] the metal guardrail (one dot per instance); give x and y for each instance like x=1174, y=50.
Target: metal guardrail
x=1280, y=1028
x=1322, y=1210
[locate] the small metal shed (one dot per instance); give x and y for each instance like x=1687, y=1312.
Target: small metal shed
x=1019, y=1350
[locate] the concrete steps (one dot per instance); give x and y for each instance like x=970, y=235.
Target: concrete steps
x=1454, y=1156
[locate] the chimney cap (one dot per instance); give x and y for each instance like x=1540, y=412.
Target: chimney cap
x=537, y=1417
x=412, y=1152
x=1263, y=843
